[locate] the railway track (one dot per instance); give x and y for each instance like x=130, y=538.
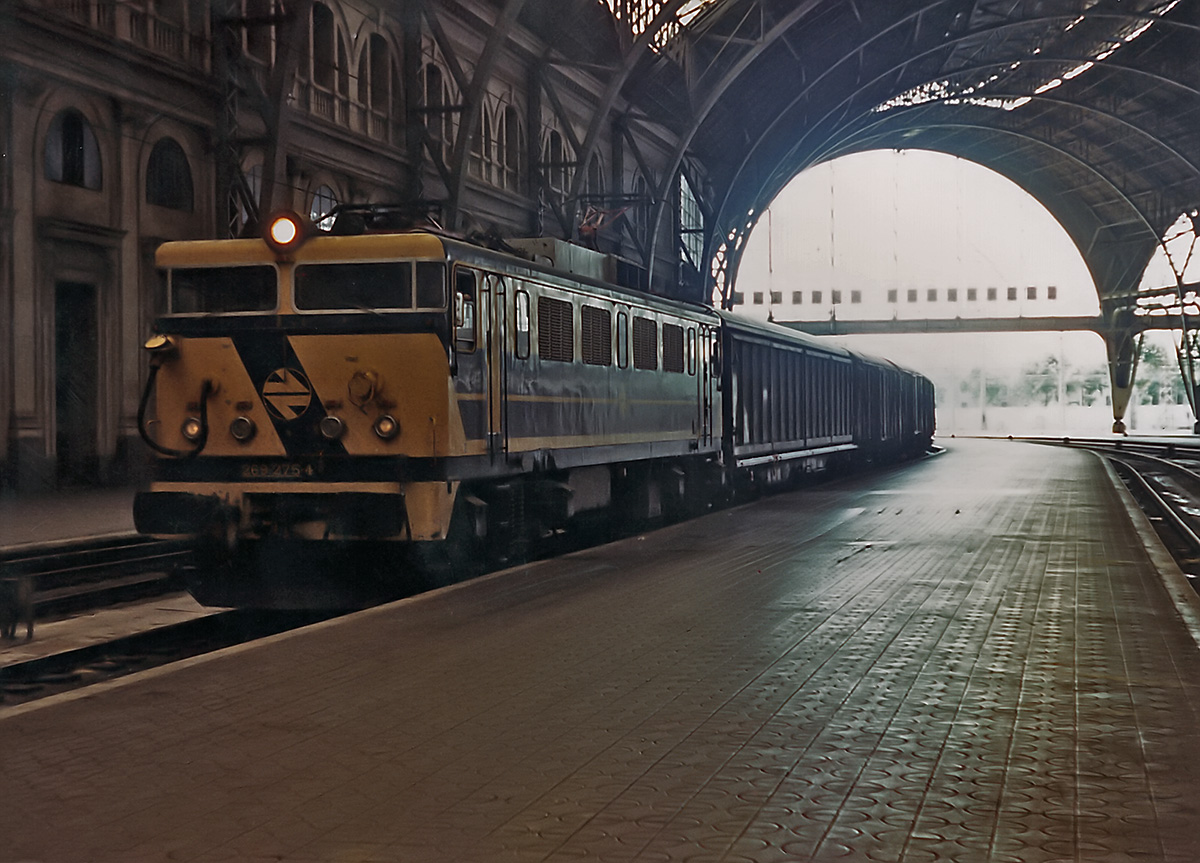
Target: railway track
x=1164, y=477
x=74, y=669
x=51, y=579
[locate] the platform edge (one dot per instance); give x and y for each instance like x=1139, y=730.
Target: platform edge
x=1183, y=597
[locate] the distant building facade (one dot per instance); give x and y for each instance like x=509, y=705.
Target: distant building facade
x=118, y=126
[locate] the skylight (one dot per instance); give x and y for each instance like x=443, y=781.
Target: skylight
x=638, y=15
x=945, y=92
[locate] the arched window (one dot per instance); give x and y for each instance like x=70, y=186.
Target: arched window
x=381, y=73
x=169, y=177
x=595, y=177
x=554, y=158
x=260, y=37
x=691, y=224
x=323, y=202
x=641, y=206
x=514, y=148
x=324, y=49
x=483, y=149
x=72, y=154
x=436, y=100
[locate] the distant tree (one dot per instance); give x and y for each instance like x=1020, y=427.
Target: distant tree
x=1158, y=380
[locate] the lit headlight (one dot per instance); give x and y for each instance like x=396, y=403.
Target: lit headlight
x=331, y=427
x=192, y=428
x=386, y=427
x=242, y=428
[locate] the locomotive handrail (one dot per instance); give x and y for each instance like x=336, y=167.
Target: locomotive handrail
x=206, y=389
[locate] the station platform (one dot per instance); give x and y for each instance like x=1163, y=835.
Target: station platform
x=981, y=657
x=54, y=516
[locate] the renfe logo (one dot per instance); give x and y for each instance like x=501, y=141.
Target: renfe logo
x=287, y=394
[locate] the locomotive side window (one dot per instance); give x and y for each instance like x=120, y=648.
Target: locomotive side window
x=464, y=310
x=521, y=302
x=672, y=340
x=556, y=330
x=645, y=343
x=596, y=324
x=623, y=340
x=374, y=285
x=219, y=290
x=431, y=285
x=691, y=350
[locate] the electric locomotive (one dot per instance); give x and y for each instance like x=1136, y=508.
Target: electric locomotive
x=337, y=411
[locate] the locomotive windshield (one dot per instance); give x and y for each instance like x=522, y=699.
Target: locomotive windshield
x=222, y=290
x=376, y=285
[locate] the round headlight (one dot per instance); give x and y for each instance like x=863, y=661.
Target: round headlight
x=192, y=428
x=331, y=427
x=387, y=427
x=242, y=428
x=284, y=230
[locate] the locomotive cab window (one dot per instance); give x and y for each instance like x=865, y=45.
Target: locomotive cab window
x=431, y=285
x=464, y=310
x=339, y=287
x=222, y=290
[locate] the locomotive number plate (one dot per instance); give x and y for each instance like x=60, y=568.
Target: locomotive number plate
x=288, y=470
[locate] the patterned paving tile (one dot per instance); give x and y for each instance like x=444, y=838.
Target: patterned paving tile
x=970, y=659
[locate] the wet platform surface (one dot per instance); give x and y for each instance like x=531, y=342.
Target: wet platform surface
x=973, y=658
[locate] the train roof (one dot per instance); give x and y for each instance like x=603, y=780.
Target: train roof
x=822, y=343
x=320, y=247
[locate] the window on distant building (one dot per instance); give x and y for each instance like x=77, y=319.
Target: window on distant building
x=912, y=295
x=1012, y=294
x=1051, y=292
x=835, y=297
x=758, y=298
x=1031, y=293
x=931, y=295
x=893, y=296
x=952, y=295
x=816, y=296
x=856, y=296
x=776, y=297
x=168, y=177
x=72, y=154
x=972, y=295
x=323, y=202
x=797, y=297
x=739, y=299
x=992, y=293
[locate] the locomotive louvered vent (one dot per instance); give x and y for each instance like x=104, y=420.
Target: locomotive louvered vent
x=672, y=348
x=645, y=343
x=556, y=339
x=597, y=335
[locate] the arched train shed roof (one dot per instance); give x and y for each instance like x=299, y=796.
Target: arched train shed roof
x=1092, y=106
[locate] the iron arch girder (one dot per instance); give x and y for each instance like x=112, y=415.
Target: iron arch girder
x=713, y=99
x=843, y=105
x=1160, y=218
x=473, y=105
x=1114, y=267
x=796, y=15
x=725, y=210
x=612, y=91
